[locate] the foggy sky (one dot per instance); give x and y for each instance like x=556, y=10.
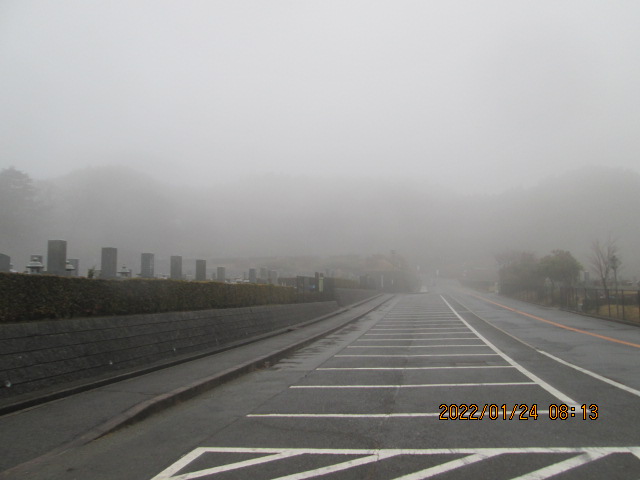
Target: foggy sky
x=475, y=95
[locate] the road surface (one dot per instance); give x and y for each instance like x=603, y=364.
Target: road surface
x=449, y=384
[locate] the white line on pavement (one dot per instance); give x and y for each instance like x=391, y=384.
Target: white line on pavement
x=372, y=415
x=405, y=333
x=564, y=466
x=413, y=339
x=424, y=329
x=414, y=346
x=552, y=390
x=445, y=467
x=414, y=368
x=424, y=385
x=472, y=455
x=428, y=355
x=593, y=374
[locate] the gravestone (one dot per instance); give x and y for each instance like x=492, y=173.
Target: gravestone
x=147, y=265
x=35, y=264
x=109, y=264
x=221, y=274
x=57, y=257
x=201, y=270
x=5, y=263
x=176, y=267
x=75, y=263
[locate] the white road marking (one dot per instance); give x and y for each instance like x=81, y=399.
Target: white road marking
x=564, y=466
x=414, y=333
x=416, y=339
x=446, y=467
x=417, y=324
x=422, y=385
x=428, y=355
x=552, y=390
x=593, y=374
x=342, y=415
x=416, y=329
x=369, y=415
x=413, y=368
x=414, y=346
x=236, y=465
x=423, y=339
x=337, y=467
x=473, y=455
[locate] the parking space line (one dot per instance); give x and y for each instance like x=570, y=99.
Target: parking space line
x=368, y=415
x=415, y=368
x=413, y=324
x=413, y=346
x=405, y=333
x=424, y=385
x=416, y=329
x=426, y=355
x=414, y=339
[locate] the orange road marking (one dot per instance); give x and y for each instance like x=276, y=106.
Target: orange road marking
x=558, y=324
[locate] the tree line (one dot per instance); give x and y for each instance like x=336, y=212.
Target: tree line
x=520, y=270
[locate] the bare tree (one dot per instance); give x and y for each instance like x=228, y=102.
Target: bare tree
x=604, y=260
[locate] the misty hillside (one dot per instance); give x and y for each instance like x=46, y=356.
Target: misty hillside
x=276, y=216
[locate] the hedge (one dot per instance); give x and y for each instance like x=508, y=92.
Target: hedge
x=34, y=297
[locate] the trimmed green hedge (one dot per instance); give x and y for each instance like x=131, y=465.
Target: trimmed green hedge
x=35, y=297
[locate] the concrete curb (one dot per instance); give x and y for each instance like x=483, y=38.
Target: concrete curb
x=161, y=402
x=164, y=401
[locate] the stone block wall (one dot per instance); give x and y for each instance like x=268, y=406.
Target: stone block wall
x=45, y=354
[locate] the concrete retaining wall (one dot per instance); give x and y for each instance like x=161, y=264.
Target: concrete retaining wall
x=41, y=355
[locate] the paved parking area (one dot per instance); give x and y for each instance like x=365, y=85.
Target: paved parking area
x=422, y=393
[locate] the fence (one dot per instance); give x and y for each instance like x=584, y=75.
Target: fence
x=622, y=304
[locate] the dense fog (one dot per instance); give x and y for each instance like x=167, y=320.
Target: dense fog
x=448, y=131
x=265, y=217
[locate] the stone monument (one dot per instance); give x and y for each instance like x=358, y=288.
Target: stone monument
x=57, y=257
x=221, y=274
x=109, y=264
x=75, y=263
x=147, y=265
x=201, y=270
x=5, y=263
x=176, y=267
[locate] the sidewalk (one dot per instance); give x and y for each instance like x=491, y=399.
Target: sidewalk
x=46, y=430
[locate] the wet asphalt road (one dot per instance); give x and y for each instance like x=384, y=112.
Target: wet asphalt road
x=375, y=400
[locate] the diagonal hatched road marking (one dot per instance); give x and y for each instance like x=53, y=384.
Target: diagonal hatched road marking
x=580, y=457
